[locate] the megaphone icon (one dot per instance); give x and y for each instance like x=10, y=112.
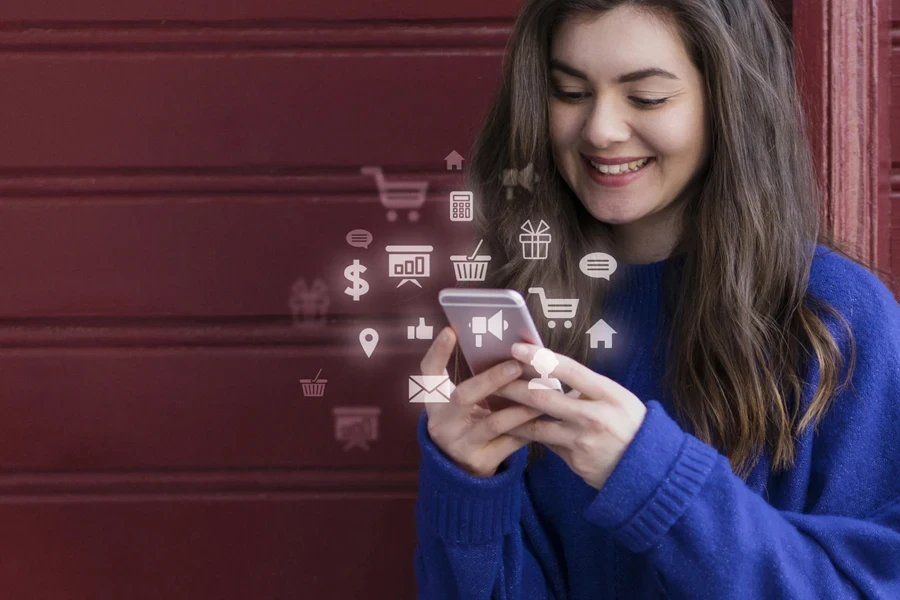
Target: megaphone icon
x=494, y=325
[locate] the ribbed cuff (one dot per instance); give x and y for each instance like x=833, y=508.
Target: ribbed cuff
x=659, y=474
x=461, y=508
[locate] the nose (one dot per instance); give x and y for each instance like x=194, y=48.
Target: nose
x=605, y=125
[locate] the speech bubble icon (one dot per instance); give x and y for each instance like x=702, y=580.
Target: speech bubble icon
x=359, y=238
x=598, y=265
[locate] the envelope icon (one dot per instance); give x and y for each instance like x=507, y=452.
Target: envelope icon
x=430, y=388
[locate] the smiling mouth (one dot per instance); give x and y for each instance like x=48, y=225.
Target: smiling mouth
x=620, y=169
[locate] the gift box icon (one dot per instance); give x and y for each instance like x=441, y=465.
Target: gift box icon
x=535, y=242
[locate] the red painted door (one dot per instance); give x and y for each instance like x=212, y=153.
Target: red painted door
x=177, y=182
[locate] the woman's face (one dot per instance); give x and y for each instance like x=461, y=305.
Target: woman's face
x=600, y=108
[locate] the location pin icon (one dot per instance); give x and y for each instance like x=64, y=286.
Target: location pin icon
x=368, y=339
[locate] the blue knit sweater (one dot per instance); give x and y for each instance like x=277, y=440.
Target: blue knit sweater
x=673, y=521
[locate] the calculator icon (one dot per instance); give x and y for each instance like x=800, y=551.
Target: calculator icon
x=461, y=204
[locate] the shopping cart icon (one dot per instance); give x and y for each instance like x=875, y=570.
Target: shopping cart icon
x=556, y=308
x=400, y=195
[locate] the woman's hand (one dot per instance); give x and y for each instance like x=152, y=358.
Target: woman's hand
x=470, y=434
x=597, y=419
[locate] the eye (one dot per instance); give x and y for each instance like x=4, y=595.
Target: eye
x=649, y=102
x=571, y=96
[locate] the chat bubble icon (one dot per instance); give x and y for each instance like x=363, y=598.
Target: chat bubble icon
x=359, y=238
x=598, y=265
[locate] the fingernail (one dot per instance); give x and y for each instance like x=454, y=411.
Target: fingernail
x=443, y=336
x=511, y=368
x=519, y=349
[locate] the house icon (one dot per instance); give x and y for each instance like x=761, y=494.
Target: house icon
x=454, y=161
x=601, y=332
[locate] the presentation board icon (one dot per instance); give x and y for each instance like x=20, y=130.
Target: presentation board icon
x=409, y=263
x=356, y=426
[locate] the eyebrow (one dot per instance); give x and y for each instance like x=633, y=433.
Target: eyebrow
x=626, y=78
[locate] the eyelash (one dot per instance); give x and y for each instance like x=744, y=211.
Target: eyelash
x=577, y=96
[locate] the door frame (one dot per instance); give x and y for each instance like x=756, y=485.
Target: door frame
x=842, y=55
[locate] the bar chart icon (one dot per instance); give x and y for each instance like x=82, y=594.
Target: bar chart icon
x=409, y=263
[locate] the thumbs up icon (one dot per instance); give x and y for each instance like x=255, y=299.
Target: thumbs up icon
x=420, y=331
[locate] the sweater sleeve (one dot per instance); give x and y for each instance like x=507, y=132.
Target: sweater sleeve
x=471, y=544
x=676, y=499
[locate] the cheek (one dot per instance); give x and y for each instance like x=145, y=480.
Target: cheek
x=675, y=136
x=563, y=129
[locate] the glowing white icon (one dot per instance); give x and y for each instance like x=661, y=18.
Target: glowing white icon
x=420, y=331
x=368, y=339
x=409, y=262
x=359, y=285
x=315, y=387
x=462, y=206
x=471, y=268
x=535, y=241
x=544, y=361
x=359, y=238
x=454, y=161
x=494, y=325
x=401, y=195
x=309, y=303
x=601, y=332
x=356, y=425
x=598, y=265
x=556, y=308
x=525, y=178
x=432, y=389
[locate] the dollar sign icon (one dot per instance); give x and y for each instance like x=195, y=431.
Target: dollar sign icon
x=360, y=285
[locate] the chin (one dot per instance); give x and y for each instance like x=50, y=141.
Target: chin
x=602, y=213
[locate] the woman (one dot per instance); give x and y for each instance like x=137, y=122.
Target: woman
x=736, y=464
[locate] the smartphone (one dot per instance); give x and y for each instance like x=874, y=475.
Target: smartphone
x=487, y=323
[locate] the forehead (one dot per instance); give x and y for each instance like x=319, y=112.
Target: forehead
x=624, y=36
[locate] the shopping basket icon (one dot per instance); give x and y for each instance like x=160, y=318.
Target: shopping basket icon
x=315, y=387
x=558, y=308
x=471, y=268
x=400, y=195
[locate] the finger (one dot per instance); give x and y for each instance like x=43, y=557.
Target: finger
x=501, y=447
x=573, y=394
x=571, y=372
x=500, y=422
x=549, y=433
x=550, y=402
x=479, y=387
x=435, y=360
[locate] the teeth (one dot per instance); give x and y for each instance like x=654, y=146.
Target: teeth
x=616, y=169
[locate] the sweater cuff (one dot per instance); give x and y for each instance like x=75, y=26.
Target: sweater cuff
x=659, y=474
x=461, y=508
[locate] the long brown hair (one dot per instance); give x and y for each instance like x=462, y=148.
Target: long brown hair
x=742, y=321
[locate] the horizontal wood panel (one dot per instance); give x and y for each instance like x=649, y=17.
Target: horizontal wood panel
x=232, y=109
x=209, y=256
x=328, y=548
x=100, y=10
x=207, y=408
